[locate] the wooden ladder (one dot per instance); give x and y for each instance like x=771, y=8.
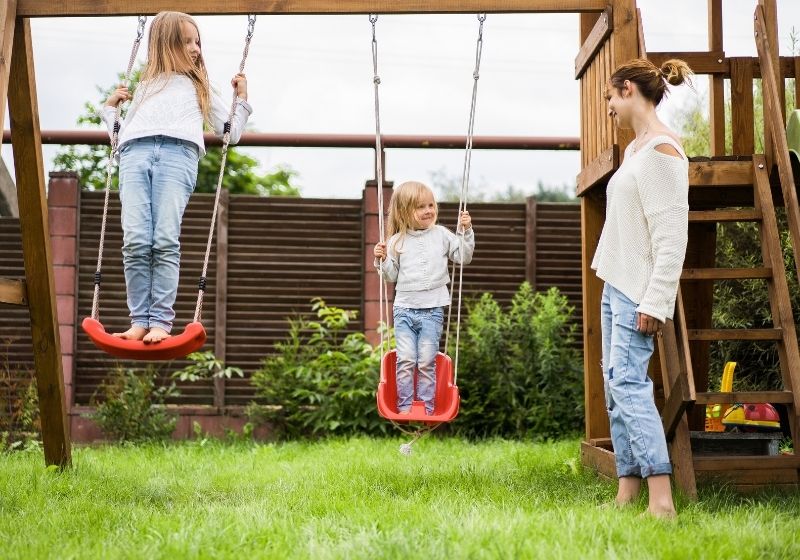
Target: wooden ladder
x=676, y=363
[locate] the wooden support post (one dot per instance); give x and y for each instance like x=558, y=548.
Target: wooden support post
x=625, y=47
x=769, y=20
x=530, y=241
x=26, y=140
x=221, y=294
x=742, y=123
x=8, y=18
x=716, y=85
x=370, y=299
x=596, y=420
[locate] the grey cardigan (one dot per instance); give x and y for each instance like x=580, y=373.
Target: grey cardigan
x=419, y=261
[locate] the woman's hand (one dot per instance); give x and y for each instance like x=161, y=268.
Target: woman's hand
x=648, y=325
x=239, y=83
x=380, y=250
x=118, y=96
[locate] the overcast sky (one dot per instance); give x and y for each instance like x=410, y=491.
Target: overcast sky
x=313, y=74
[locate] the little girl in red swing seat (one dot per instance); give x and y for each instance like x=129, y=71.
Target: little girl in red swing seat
x=417, y=261
x=160, y=144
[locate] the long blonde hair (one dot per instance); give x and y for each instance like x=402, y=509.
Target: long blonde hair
x=167, y=54
x=404, y=202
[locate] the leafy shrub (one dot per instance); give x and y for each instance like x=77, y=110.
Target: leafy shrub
x=20, y=425
x=520, y=372
x=745, y=304
x=322, y=381
x=131, y=407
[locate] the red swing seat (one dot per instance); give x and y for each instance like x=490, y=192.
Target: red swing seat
x=446, y=400
x=191, y=339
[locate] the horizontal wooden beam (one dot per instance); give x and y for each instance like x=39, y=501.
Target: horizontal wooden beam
x=726, y=273
x=13, y=291
x=735, y=334
x=720, y=173
x=746, y=462
x=594, y=42
x=65, y=8
x=598, y=171
x=718, y=64
x=745, y=397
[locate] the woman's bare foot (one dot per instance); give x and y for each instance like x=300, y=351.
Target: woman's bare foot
x=628, y=491
x=156, y=334
x=133, y=333
x=660, y=504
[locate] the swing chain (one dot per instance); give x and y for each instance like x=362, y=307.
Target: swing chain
x=140, y=28
x=251, y=26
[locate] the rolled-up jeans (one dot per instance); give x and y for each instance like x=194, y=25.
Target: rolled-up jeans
x=640, y=447
x=417, y=333
x=157, y=176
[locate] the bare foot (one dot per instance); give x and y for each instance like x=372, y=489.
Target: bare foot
x=404, y=412
x=133, y=333
x=156, y=334
x=662, y=513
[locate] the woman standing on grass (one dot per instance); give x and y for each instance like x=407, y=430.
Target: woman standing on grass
x=640, y=257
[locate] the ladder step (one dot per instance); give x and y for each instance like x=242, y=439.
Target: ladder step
x=725, y=273
x=735, y=334
x=751, y=215
x=785, y=397
x=13, y=291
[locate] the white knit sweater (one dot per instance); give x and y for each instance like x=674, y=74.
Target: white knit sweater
x=169, y=107
x=643, y=243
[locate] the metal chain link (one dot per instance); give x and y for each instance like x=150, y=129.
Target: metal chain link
x=110, y=170
x=462, y=202
x=226, y=138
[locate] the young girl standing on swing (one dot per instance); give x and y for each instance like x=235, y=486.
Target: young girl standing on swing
x=160, y=143
x=416, y=260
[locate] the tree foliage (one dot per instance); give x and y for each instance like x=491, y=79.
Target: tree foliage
x=239, y=177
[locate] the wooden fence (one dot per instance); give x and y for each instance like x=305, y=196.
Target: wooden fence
x=271, y=256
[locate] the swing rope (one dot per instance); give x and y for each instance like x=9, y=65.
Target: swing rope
x=383, y=296
x=226, y=138
x=110, y=170
x=462, y=202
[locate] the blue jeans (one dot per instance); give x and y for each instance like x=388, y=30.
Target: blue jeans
x=157, y=174
x=637, y=434
x=417, y=333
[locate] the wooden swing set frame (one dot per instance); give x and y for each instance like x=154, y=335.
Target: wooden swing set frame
x=609, y=34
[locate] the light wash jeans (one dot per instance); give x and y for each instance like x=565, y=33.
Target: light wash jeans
x=157, y=176
x=637, y=434
x=417, y=333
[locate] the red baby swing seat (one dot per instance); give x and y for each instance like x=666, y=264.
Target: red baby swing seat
x=446, y=400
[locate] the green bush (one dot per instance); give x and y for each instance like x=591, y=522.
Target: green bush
x=322, y=381
x=520, y=371
x=745, y=304
x=131, y=406
x=20, y=425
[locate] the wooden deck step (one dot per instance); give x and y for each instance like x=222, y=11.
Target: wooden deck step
x=725, y=273
x=746, y=462
x=735, y=334
x=751, y=215
x=745, y=397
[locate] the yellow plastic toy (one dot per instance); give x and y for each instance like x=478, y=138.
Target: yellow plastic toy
x=715, y=412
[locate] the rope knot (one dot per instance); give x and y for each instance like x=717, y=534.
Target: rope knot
x=376, y=80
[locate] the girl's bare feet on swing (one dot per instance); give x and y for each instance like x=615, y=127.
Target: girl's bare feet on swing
x=133, y=333
x=156, y=334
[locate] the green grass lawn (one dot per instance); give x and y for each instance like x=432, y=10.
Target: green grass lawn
x=359, y=498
